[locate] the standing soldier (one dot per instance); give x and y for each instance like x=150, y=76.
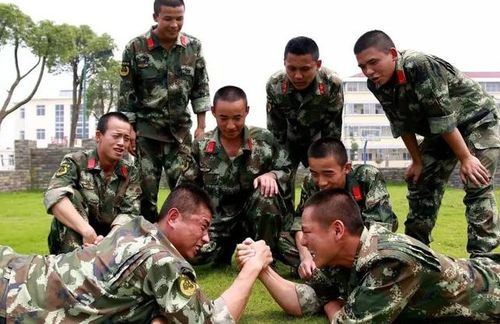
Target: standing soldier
x=93, y=190
x=304, y=102
x=246, y=173
x=423, y=94
x=162, y=71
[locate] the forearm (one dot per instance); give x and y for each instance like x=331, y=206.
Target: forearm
x=66, y=213
x=457, y=144
x=282, y=290
x=200, y=119
x=410, y=141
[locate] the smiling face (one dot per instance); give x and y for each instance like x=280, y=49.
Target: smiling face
x=327, y=173
x=301, y=70
x=377, y=65
x=170, y=21
x=115, y=141
x=230, y=117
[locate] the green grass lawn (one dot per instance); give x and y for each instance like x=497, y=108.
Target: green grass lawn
x=24, y=226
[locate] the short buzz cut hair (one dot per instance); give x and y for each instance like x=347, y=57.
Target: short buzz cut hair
x=374, y=38
x=328, y=147
x=187, y=198
x=167, y=3
x=102, y=124
x=230, y=93
x=336, y=204
x=302, y=45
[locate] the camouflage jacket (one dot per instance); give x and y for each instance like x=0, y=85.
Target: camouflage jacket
x=157, y=85
x=297, y=118
x=394, y=277
x=230, y=183
x=134, y=274
x=429, y=97
x=80, y=176
x=367, y=186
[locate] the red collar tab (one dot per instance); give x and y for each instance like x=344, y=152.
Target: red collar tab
x=321, y=88
x=124, y=171
x=150, y=42
x=184, y=40
x=210, y=148
x=250, y=143
x=401, y=77
x=91, y=163
x=356, y=192
x=284, y=86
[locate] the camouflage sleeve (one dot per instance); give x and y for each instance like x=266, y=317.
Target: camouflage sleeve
x=281, y=165
x=200, y=92
x=377, y=207
x=333, y=117
x=308, y=301
x=431, y=90
x=127, y=98
x=130, y=206
x=383, y=293
x=192, y=172
x=62, y=184
x=276, y=122
x=306, y=191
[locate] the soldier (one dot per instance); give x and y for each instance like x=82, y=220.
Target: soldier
x=93, y=190
x=161, y=72
x=246, y=173
x=425, y=95
x=305, y=101
x=329, y=168
x=135, y=274
x=392, y=277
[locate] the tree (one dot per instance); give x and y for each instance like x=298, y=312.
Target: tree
x=102, y=91
x=18, y=31
x=87, y=54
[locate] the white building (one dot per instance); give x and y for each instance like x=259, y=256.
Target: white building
x=366, y=127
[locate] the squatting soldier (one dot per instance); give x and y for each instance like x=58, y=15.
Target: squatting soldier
x=392, y=277
x=329, y=168
x=136, y=274
x=423, y=94
x=305, y=101
x=246, y=173
x=162, y=71
x=93, y=190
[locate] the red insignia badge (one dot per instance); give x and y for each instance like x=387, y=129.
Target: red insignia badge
x=250, y=143
x=124, y=171
x=321, y=88
x=401, y=77
x=150, y=42
x=91, y=163
x=284, y=86
x=210, y=148
x=356, y=192
x=184, y=40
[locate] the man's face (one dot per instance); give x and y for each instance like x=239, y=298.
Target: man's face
x=318, y=239
x=169, y=20
x=191, y=232
x=376, y=65
x=230, y=117
x=327, y=173
x=301, y=69
x=115, y=141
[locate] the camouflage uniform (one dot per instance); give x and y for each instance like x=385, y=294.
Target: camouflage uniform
x=156, y=86
x=132, y=276
x=240, y=210
x=366, y=185
x=430, y=97
x=395, y=277
x=102, y=203
x=297, y=118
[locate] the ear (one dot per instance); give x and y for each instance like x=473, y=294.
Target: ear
x=247, y=110
x=394, y=53
x=98, y=136
x=173, y=216
x=348, y=167
x=155, y=17
x=213, y=110
x=318, y=63
x=337, y=229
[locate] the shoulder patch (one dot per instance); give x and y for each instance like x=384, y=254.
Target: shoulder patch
x=124, y=171
x=284, y=86
x=184, y=40
x=125, y=70
x=63, y=169
x=356, y=193
x=187, y=287
x=210, y=148
x=322, y=89
x=150, y=42
x=401, y=77
x=91, y=163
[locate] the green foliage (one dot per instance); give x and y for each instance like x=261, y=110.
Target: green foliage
x=102, y=91
x=24, y=226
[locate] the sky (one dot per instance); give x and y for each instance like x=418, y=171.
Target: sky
x=243, y=41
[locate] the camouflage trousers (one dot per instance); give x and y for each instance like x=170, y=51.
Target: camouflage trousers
x=63, y=239
x=154, y=157
x=6, y=255
x=260, y=218
x=424, y=197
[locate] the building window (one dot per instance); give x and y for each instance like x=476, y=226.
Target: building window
x=22, y=112
x=21, y=135
x=40, y=110
x=491, y=86
x=40, y=134
x=81, y=125
x=59, y=125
